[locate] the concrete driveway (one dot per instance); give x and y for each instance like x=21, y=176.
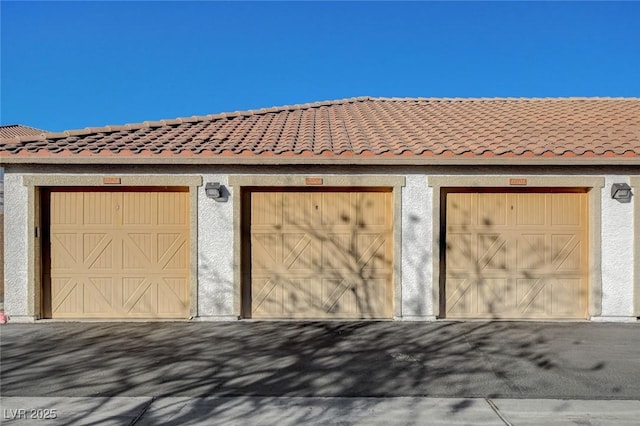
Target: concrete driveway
x=374, y=359
x=406, y=361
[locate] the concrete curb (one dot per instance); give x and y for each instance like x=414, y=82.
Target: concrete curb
x=295, y=411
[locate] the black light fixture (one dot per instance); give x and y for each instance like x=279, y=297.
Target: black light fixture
x=216, y=191
x=621, y=192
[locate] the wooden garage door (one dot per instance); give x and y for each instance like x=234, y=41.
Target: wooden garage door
x=516, y=255
x=321, y=254
x=119, y=254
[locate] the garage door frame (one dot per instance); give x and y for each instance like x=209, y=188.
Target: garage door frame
x=243, y=182
x=592, y=184
x=35, y=183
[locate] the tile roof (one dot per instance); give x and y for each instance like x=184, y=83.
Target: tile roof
x=356, y=130
x=16, y=130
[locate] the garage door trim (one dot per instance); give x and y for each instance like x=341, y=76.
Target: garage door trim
x=395, y=183
x=591, y=183
x=35, y=182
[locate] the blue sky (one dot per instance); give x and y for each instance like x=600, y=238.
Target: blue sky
x=68, y=65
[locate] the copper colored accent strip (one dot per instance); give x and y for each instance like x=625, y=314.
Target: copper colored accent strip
x=111, y=181
x=313, y=181
x=521, y=182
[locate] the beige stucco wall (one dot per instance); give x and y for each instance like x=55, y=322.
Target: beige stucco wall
x=215, y=254
x=215, y=273
x=617, y=255
x=16, y=256
x=417, y=254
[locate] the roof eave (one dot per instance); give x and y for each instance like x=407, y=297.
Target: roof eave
x=328, y=160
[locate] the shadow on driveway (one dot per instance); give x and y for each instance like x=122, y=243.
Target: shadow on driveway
x=322, y=359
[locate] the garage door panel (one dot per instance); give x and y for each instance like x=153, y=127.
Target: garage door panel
x=300, y=211
x=372, y=252
x=567, y=209
x=567, y=253
x=98, y=295
x=285, y=297
x=101, y=251
x=300, y=295
x=531, y=209
x=492, y=210
x=173, y=295
x=66, y=295
x=97, y=207
x=94, y=245
x=176, y=260
x=567, y=296
x=173, y=252
x=284, y=252
x=173, y=208
x=98, y=252
x=299, y=253
x=535, y=266
x=531, y=251
x=494, y=296
x=66, y=210
x=137, y=250
x=266, y=250
x=64, y=251
x=168, y=244
x=338, y=209
x=266, y=297
x=319, y=262
x=375, y=291
x=460, y=209
x=460, y=297
x=138, y=208
x=492, y=251
x=461, y=251
x=372, y=209
x=531, y=296
x=353, y=297
x=337, y=252
x=266, y=209
x=137, y=295
x=338, y=297
x=344, y=297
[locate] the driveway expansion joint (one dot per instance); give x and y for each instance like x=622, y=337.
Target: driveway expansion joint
x=143, y=412
x=496, y=410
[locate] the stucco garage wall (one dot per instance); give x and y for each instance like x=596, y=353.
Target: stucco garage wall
x=21, y=265
x=417, y=287
x=617, y=258
x=616, y=233
x=16, y=266
x=215, y=253
x=215, y=221
x=215, y=239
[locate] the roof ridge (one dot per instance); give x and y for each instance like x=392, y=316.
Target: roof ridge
x=21, y=125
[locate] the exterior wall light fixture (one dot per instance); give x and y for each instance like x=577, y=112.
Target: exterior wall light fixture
x=216, y=191
x=621, y=192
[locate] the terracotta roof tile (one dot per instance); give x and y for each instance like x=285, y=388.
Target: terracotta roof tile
x=372, y=127
x=16, y=130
